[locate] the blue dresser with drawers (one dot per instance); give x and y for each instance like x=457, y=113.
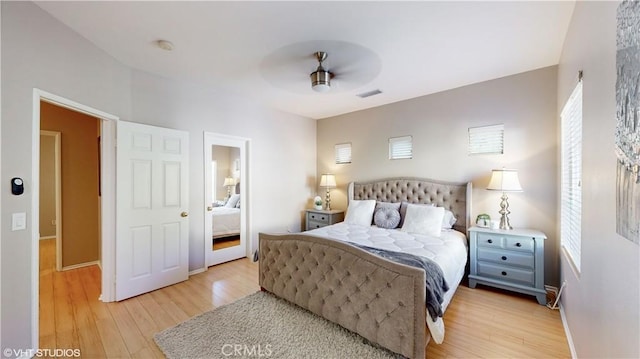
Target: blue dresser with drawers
x=508, y=259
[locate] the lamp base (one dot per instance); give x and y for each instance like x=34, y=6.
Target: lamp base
x=504, y=212
x=327, y=200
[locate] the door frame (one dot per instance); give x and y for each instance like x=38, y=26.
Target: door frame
x=108, y=125
x=211, y=138
x=57, y=192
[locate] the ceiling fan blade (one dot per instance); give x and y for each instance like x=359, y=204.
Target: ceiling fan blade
x=289, y=67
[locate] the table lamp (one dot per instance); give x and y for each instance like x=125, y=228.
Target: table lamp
x=506, y=181
x=328, y=181
x=229, y=182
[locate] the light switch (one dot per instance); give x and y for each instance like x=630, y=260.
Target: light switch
x=18, y=221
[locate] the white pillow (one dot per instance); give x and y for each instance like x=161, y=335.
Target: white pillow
x=448, y=220
x=423, y=219
x=233, y=200
x=360, y=212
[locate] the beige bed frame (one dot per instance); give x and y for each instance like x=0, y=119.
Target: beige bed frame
x=381, y=300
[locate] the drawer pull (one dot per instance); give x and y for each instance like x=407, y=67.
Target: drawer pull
x=489, y=240
x=504, y=258
x=312, y=216
x=317, y=226
x=518, y=244
x=504, y=273
x=322, y=218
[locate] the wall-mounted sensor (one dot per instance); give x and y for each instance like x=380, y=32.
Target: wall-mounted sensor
x=17, y=186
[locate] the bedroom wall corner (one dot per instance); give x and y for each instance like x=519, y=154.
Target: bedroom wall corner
x=601, y=303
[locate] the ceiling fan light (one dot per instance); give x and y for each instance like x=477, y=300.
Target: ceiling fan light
x=321, y=80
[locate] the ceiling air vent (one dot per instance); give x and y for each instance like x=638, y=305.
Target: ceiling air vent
x=369, y=93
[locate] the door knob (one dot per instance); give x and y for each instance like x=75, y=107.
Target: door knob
x=184, y=214
x=209, y=209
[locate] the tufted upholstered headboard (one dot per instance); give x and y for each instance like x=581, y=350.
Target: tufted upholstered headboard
x=455, y=197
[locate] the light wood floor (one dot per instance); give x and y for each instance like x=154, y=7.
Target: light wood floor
x=226, y=242
x=481, y=322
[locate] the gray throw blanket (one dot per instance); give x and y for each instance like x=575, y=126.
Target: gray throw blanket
x=436, y=285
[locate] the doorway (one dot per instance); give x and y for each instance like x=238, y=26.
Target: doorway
x=227, y=234
x=75, y=184
x=107, y=126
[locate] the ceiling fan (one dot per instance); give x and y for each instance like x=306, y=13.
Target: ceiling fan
x=321, y=78
x=339, y=67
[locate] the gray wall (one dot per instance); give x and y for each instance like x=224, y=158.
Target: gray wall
x=524, y=103
x=220, y=154
x=40, y=52
x=601, y=304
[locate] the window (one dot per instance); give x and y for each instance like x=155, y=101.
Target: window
x=400, y=148
x=571, y=176
x=486, y=140
x=343, y=153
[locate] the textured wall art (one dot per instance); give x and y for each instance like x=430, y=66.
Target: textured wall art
x=628, y=121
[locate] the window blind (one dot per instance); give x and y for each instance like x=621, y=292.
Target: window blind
x=486, y=140
x=400, y=148
x=343, y=153
x=571, y=181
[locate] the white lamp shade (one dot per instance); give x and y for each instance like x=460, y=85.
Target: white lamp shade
x=505, y=181
x=328, y=180
x=228, y=181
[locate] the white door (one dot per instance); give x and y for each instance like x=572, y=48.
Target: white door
x=152, y=245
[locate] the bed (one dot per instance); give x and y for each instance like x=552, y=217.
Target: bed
x=226, y=218
x=379, y=299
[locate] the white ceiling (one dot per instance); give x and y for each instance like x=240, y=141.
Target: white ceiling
x=405, y=49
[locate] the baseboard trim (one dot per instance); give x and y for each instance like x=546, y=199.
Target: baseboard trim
x=567, y=332
x=47, y=237
x=196, y=271
x=80, y=265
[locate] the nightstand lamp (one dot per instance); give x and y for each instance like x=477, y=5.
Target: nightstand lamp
x=506, y=181
x=328, y=181
x=229, y=182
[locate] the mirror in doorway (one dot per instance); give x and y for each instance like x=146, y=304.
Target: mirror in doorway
x=225, y=178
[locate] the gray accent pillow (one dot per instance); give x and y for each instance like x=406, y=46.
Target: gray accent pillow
x=392, y=205
x=386, y=217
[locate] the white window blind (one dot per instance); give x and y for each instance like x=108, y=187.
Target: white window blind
x=400, y=148
x=343, y=153
x=486, y=140
x=571, y=181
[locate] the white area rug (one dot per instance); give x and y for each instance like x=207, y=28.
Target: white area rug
x=263, y=326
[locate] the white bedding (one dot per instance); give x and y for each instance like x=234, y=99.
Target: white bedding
x=226, y=221
x=449, y=251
